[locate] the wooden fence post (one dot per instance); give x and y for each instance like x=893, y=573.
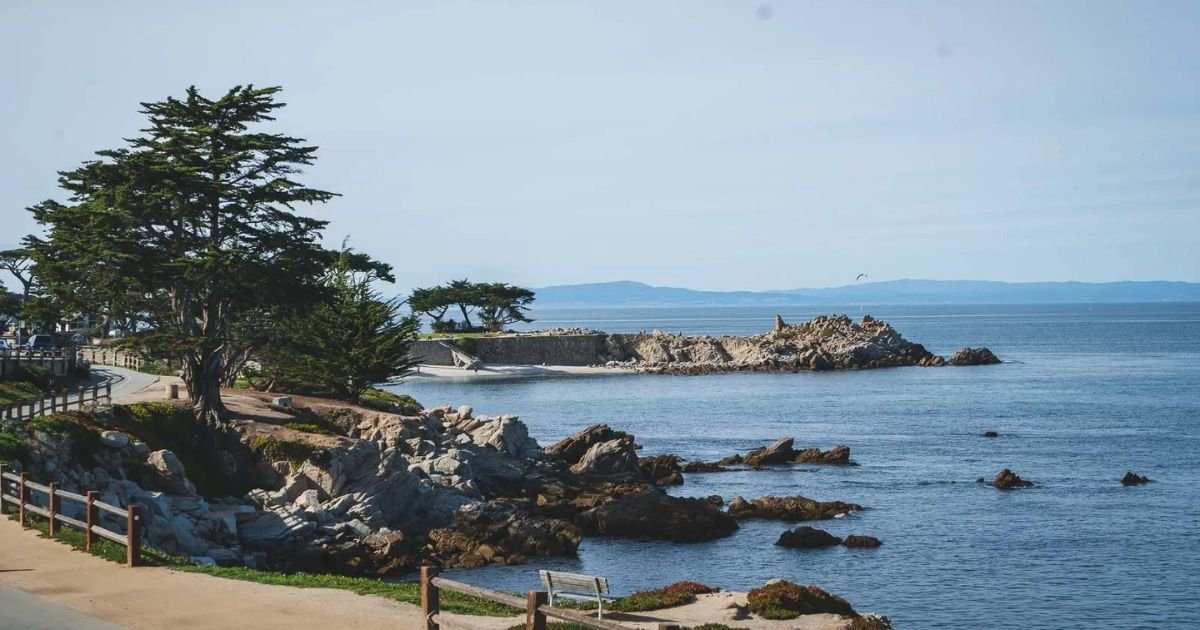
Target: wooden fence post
x=79, y=397
x=430, y=605
x=108, y=392
x=53, y=403
x=534, y=618
x=133, y=535
x=3, y=481
x=93, y=519
x=22, y=496
x=41, y=407
x=52, y=507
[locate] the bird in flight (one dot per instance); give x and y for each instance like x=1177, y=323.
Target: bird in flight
x=860, y=277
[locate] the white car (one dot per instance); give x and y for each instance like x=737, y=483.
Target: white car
x=4, y=348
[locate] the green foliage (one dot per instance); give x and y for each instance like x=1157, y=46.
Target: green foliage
x=309, y=421
x=498, y=304
x=406, y=592
x=191, y=226
x=80, y=428
x=18, y=391
x=12, y=447
x=344, y=345
x=37, y=375
x=676, y=594
x=271, y=449
x=381, y=400
x=785, y=600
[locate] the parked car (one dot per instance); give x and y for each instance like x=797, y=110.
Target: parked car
x=80, y=340
x=4, y=348
x=40, y=342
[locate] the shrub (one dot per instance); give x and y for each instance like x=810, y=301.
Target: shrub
x=381, y=400
x=12, y=447
x=79, y=427
x=273, y=450
x=38, y=375
x=785, y=600
x=676, y=594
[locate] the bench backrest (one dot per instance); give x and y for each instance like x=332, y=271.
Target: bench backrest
x=573, y=582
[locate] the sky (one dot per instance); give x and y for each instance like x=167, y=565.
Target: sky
x=707, y=144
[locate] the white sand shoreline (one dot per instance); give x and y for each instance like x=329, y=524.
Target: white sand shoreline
x=431, y=372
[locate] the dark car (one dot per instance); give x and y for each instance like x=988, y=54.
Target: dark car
x=40, y=342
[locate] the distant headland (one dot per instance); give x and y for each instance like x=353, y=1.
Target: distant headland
x=637, y=294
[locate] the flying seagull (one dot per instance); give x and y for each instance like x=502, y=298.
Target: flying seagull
x=860, y=277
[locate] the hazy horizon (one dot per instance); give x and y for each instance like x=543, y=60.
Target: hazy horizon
x=709, y=145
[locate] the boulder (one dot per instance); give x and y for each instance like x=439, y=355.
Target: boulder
x=572, y=449
x=778, y=452
x=973, y=356
x=390, y=552
x=168, y=474
x=1007, y=480
x=661, y=470
x=856, y=540
x=614, y=458
x=114, y=439
x=652, y=514
x=1133, y=479
x=990, y=434
x=806, y=537
x=838, y=455
x=789, y=508
x=506, y=434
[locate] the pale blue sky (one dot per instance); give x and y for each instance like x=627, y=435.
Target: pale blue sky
x=713, y=145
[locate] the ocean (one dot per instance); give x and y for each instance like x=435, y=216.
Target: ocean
x=1085, y=393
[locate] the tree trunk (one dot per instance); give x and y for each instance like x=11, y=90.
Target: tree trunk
x=202, y=376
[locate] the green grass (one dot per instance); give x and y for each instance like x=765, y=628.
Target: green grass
x=381, y=400
x=101, y=548
x=19, y=391
x=273, y=450
x=406, y=592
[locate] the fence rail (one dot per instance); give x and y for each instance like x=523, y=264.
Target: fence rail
x=80, y=398
x=13, y=361
x=537, y=611
x=20, y=490
x=115, y=358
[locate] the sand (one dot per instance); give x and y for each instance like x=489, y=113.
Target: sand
x=512, y=371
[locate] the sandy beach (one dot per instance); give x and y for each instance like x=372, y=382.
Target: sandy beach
x=513, y=371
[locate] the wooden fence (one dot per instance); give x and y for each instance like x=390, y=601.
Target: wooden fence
x=537, y=611
x=19, y=489
x=58, y=401
x=14, y=361
x=115, y=358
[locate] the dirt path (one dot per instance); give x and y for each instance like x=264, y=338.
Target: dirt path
x=156, y=597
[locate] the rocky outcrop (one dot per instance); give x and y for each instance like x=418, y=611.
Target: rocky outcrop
x=572, y=449
x=782, y=451
x=838, y=455
x=1133, y=479
x=613, y=459
x=973, y=356
x=500, y=534
x=1008, y=480
x=828, y=342
x=655, y=515
x=789, y=509
x=805, y=537
x=661, y=470
x=857, y=540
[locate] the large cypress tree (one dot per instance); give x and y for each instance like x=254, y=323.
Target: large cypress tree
x=193, y=226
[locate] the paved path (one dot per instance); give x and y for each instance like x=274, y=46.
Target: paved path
x=126, y=384
x=19, y=609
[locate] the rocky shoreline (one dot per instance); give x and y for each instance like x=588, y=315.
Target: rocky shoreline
x=827, y=342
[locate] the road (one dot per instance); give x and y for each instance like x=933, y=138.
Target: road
x=125, y=383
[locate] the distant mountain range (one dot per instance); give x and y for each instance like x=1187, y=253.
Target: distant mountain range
x=627, y=293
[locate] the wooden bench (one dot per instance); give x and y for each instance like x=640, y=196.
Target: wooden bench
x=576, y=586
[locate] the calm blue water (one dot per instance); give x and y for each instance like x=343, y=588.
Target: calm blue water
x=1087, y=392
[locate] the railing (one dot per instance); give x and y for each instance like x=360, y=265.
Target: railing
x=537, y=611
x=19, y=489
x=13, y=360
x=115, y=358
x=57, y=401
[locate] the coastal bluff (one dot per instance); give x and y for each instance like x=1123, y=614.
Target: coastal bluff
x=827, y=342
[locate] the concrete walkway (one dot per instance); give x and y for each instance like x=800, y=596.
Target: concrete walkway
x=126, y=384
x=19, y=609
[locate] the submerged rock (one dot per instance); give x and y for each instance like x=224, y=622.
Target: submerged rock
x=838, y=455
x=656, y=515
x=778, y=452
x=1133, y=479
x=805, y=537
x=990, y=434
x=1007, y=480
x=703, y=467
x=789, y=508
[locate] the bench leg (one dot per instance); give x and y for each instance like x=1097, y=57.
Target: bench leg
x=600, y=611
